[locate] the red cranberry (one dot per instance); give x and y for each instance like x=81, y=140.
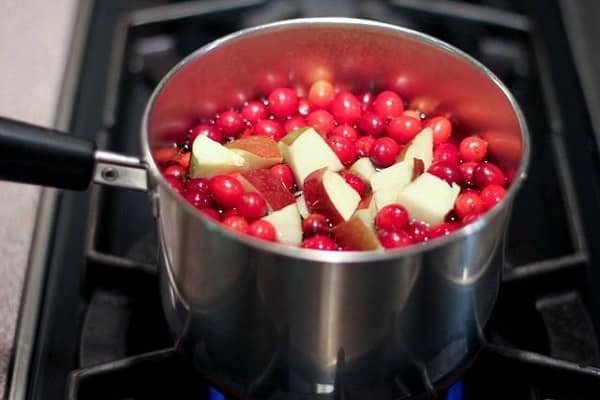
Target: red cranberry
x=283, y=102
x=466, y=169
x=236, y=223
x=315, y=224
x=319, y=242
x=343, y=148
x=210, y=131
x=226, y=190
x=468, y=203
x=272, y=129
x=321, y=94
x=442, y=129
x=470, y=218
x=176, y=171
x=229, y=213
x=211, y=213
x=388, y=104
x=394, y=239
x=486, y=174
x=446, y=171
x=364, y=145
x=392, y=217
x=418, y=231
x=322, y=121
x=384, y=152
x=262, y=229
x=491, y=195
x=231, y=123
x=254, y=111
x=446, y=152
x=356, y=182
x=198, y=185
x=346, y=108
x=295, y=122
x=366, y=100
x=285, y=175
x=403, y=129
x=303, y=107
x=472, y=148
x=346, y=131
x=442, y=229
x=252, y=206
x=372, y=124
x=175, y=183
x=198, y=199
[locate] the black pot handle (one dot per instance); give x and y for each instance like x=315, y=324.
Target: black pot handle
x=41, y=156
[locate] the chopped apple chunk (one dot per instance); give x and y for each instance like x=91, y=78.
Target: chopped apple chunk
x=429, y=198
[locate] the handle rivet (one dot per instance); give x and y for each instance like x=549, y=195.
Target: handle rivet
x=110, y=174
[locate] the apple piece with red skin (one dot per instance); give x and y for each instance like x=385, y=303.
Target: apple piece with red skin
x=305, y=151
x=268, y=186
x=287, y=224
x=429, y=198
x=327, y=193
x=258, y=151
x=210, y=158
x=355, y=234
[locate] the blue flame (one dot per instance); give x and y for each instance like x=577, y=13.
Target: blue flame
x=214, y=394
x=456, y=391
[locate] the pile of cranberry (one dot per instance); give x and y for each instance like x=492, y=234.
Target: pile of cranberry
x=374, y=125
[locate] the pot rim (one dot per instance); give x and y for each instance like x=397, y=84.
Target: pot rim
x=341, y=256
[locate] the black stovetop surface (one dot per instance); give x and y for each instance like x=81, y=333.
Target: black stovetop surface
x=101, y=333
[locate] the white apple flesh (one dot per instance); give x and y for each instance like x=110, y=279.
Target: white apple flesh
x=420, y=147
x=389, y=182
x=429, y=198
x=210, y=158
x=288, y=224
x=307, y=153
x=364, y=168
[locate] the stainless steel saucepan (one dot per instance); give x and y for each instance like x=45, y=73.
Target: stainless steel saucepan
x=260, y=318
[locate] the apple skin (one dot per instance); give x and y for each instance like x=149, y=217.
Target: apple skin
x=268, y=186
x=258, y=151
x=354, y=234
x=319, y=199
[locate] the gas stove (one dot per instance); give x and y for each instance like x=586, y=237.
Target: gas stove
x=91, y=324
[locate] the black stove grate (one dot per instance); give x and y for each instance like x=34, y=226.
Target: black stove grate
x=542, y=341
